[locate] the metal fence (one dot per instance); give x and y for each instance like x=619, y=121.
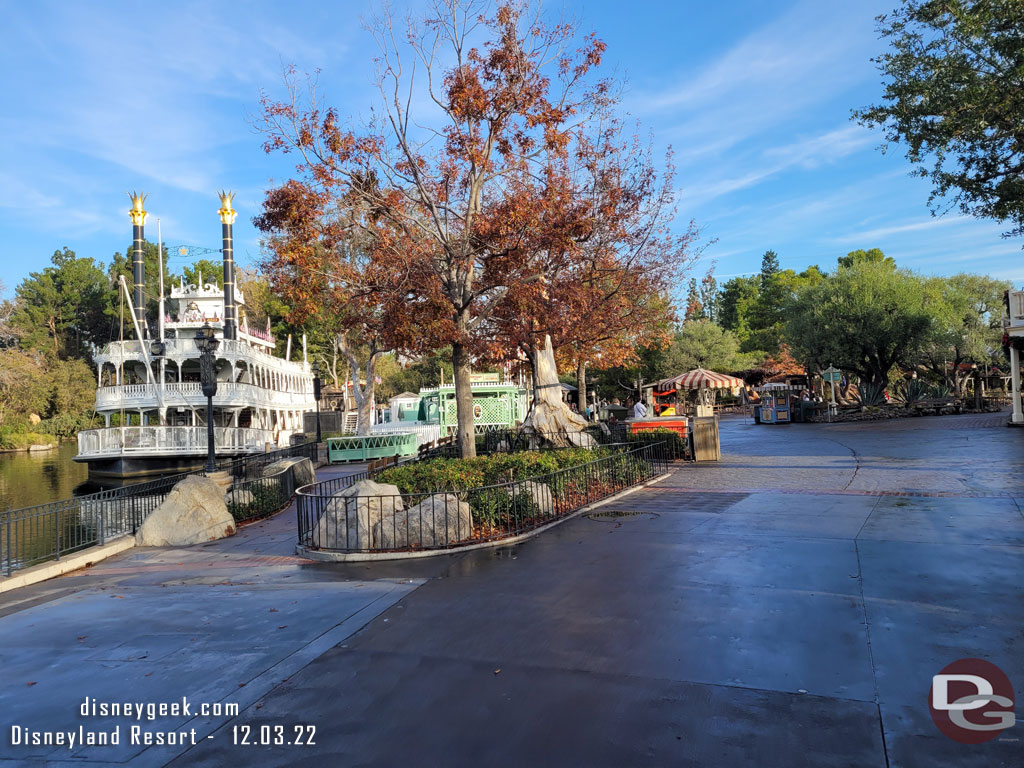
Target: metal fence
x=44, y=532
x=331, y=520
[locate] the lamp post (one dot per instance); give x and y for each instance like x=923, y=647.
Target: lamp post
x=316, y=396
x=207, y=345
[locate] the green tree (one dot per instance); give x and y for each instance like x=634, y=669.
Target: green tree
x=694, y=308
x=767, y=315
x=866, y=318
x=769, y=268
x=873, y=256
x=23, y=387
x=954, y=97
x=71, y=396
x=120, y=265
x=211, y=271
x=60, y=310
x=709, y=295
x=702, y=344
x=736, y=300
x=967, y=326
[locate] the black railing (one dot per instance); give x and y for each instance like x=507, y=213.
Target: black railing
x=329, y=520
x=44, y=532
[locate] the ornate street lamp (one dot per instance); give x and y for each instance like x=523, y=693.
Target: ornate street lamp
x=316, y=396
x=207, y=345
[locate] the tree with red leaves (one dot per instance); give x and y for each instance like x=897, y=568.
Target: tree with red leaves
x=597, y=269
x=459, y=185
x=344, y=267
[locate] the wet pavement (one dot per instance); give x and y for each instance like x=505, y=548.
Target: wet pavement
x=787, y=606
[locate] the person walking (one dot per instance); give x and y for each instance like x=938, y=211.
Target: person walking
x=639, y=410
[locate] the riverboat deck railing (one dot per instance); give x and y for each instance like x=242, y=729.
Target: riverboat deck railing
x=191, y=393
x=169, y=441
x=36, y=534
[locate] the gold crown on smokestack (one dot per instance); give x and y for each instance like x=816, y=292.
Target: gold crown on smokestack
x=137, y=213
x=226, y=212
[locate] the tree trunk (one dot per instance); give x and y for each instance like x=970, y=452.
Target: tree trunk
x=465, y=434
x=550, y=418
x=581, y=383
x=363, y=393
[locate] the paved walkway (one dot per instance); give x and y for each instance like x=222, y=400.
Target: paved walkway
x=785, y=607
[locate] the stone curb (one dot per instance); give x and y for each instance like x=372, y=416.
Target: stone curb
x=72, y=562
x=362, y=557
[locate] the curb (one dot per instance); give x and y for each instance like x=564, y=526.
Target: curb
x=73, y=562
x=363, y=557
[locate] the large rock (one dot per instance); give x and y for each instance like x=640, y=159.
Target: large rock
x=193, y=512
x=438, y=521
x=350, y=516
x=539, y=493
x=302, y=470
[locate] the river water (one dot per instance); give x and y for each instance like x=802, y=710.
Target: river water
x=27, y=479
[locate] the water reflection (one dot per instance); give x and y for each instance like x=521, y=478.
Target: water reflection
x=27, y=479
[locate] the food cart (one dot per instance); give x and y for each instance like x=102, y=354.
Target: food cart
x=701, y=429
x=775, y=404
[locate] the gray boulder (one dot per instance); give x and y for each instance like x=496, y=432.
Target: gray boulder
x=302, y=470
x=350, y=516
x=438, y=521
x=241, y=497
x=539, y=493
x=193, y=512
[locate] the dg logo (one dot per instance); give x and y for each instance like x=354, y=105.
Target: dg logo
x=971, y=701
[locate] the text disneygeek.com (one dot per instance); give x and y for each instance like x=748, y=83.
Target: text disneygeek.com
x=143, y=733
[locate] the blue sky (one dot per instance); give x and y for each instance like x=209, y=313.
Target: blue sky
x=754, y=97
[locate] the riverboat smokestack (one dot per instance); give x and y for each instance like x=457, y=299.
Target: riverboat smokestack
x=138, y=216
x=227, y=220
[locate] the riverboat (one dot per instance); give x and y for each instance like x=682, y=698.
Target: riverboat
x=149, y=390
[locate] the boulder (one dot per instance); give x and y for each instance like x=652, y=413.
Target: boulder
x=439, y=520
x=241, y=497
x=193, y=512
x=350, y=516
x=302, y=470
x=543, y=499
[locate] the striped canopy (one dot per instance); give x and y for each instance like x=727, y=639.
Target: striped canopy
x=699, y=378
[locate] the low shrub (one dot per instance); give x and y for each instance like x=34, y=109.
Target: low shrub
x=267, y=498
x=443, y=475
x=675, y=444
x=12, y=439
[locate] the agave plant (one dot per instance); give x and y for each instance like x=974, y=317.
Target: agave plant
x=871, y=394
x=941, y=392
x=914, y=390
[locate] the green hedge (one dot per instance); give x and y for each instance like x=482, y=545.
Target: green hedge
x=675, y=444
x=440, y=475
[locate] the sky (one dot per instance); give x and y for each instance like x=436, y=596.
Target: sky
x=754, y=99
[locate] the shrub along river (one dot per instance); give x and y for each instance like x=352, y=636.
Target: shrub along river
x=27, y=479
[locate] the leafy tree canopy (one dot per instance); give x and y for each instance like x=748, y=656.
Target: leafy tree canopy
x=955, y=97
x=866, y=318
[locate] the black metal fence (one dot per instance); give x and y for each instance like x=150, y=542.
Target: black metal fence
x=331, y=520
x=44, y=532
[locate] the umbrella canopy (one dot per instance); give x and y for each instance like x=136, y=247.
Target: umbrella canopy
x=700, y=378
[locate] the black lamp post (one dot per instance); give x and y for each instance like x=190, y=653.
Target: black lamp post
x=316, y=396
x=207, y=345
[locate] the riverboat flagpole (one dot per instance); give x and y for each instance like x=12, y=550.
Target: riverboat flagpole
x=160, y=258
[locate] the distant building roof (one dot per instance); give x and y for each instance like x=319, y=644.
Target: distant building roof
x=404, y=396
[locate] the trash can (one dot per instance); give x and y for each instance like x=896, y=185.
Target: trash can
x=706, y=446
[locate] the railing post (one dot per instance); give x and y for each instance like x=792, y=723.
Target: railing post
x=103, y=525
x=56, y=526
x=9, y=568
